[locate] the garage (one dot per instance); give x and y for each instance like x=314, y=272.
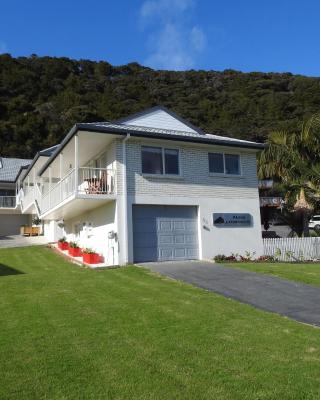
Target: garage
x=10, y=223
x=165, y=233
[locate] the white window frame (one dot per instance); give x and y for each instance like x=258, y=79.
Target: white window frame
x=163, y=148
x=224, y=174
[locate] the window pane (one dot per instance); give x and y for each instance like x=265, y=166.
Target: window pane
x=152, y=160
x=171, y=161
x=216, y=163
x=232, y=163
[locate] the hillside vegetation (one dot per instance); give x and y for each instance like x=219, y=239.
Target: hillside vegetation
x=42, y=97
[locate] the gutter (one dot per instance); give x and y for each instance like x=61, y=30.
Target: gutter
x=125, y=197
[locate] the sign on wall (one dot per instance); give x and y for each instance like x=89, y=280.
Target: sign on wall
x=230, y=219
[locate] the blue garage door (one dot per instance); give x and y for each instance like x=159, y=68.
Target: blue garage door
x=162, y=233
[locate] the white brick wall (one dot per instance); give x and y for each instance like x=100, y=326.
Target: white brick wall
x=195, y=180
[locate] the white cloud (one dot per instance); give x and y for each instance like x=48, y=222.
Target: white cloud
x=198, y=38
x=164, y=8
x=3, y=47
x=173, y=44
x=169, y=51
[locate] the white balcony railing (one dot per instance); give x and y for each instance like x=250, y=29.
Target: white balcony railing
x=96, y=180
x=7, y=201
x=91, y=181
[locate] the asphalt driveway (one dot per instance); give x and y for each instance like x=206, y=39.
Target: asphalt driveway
x=21, y=241
x=294, y=300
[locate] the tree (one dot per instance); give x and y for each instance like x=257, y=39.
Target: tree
x=293, y=160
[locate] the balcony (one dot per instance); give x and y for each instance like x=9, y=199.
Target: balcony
x=82, y=183
x=7, y=201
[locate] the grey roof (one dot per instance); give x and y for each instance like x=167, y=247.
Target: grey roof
x=216, y=139
x=42, y=153
x=10, y=167
x=119, y=128
x=49, y=151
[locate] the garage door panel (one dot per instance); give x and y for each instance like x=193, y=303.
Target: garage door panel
x=190, y=239
x=165, y=239
x=165, y=254
x=179, y=239
x=146, y=240
x=144, y=225
x=164, y=233
x=192, y=253
x=164, y=226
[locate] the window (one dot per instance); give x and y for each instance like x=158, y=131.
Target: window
x=152, y=160
x=159, y=161
x=232, y=164
x=216, y=164
x=228, y=164
x=171, y=161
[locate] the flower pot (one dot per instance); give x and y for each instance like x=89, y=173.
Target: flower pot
x=63, y=245
x=91, y=258
x=75, y=251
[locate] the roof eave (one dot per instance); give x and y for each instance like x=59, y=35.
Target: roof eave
x=182, y=138
x=124, y=132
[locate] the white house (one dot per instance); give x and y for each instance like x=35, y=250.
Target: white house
x=10, y=214
x=148, y=187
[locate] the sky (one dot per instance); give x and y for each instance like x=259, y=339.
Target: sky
x=245, y=35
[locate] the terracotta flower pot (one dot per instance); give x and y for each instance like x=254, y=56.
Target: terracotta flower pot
x=63, y=246
x=91, y=258
x=75, y=251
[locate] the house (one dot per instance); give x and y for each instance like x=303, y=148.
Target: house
x=147, y=187
x=10, y=215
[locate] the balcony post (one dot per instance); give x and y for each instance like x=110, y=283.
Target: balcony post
x=34, y=183
x=76, y=162
x=60, y=174
x=49, y=187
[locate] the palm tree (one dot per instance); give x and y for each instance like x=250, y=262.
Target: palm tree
x=293, y=159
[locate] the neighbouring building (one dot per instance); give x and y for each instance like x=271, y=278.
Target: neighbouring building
x=10, y=213
x=149, y=187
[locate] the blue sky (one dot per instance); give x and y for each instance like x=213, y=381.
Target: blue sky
x=246, y=35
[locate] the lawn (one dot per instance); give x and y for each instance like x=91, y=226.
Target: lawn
x=305, y=273
x=71, y=333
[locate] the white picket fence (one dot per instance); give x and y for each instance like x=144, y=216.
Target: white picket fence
x=293, y=249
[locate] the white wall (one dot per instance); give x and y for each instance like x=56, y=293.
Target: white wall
x=196, y=187
x=213, y=240
x=94, y=234
x=195, y=179
x=51, y=231
x=159, y=119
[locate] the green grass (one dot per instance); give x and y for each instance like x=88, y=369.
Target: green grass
x=305, y=273
x=71, y=333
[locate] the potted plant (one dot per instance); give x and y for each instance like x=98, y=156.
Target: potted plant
x=63, y=244
x=89, y=256
x=36, y=222
x=74, y=250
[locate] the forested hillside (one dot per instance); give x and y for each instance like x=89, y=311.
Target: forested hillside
x=42, y=97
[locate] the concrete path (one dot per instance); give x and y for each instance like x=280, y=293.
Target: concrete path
x=21, y=241
x=294, y=300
